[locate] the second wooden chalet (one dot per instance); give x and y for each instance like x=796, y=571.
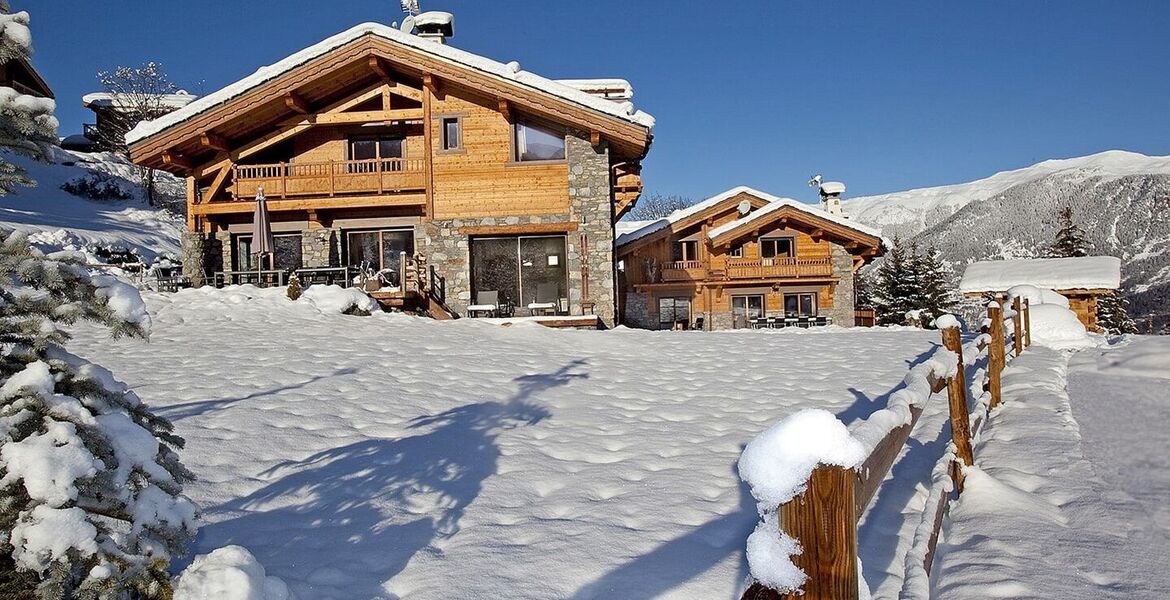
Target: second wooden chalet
x=378, y=142
x=743, y=258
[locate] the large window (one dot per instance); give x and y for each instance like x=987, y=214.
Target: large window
x=386, y=149
x=286, y=253
x=674, y=311
x=379, y=250
x=533, y=143
x=800, y=305
x=744, y=308
x=688, y=250
x=524, y=270
x=777, y=248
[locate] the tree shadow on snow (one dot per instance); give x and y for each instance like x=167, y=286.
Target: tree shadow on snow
x=175, y=412
x=675, y=562
x=351, y=517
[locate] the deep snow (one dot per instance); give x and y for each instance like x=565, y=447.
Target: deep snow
x=400, y=457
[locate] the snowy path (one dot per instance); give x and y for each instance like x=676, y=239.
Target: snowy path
x=1046, y=513
x=397, y=457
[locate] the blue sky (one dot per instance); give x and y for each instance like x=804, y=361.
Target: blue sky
x=883, y=95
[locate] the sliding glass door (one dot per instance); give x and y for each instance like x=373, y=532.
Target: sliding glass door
x=380, y=250
x=524, y=270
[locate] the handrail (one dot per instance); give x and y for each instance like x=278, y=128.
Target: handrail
x=685, y=264
x=327, y=168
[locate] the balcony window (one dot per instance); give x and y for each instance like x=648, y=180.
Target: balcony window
x=686, y=250
x=452, y=133
x=736, y=251
x=385, y=150
x=533, y=144
x=777, y=248
x=800, y=305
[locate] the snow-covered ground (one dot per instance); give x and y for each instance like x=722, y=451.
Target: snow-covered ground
x=400, y=457
x=1068, y=496
x=56, y=219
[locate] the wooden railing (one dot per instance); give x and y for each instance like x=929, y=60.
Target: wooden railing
x=684, y=270
x=285, y=180
x=823, y=518
x=763, y=268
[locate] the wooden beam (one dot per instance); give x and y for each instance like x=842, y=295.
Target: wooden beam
x=317, y=203
x=369, y=116
x=378, y=67
x=214, y=141
x=519, y=229
x=431, y=83
x=817, y=234
x=217, y=183
x=386, y=103
x=174, y=159
x=297, y=103
x=595, y=138
x=506, y=109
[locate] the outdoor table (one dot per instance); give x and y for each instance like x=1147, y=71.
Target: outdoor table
x=326, y=275
x=261, y=278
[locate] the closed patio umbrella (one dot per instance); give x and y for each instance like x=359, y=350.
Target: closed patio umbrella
x=262, y=242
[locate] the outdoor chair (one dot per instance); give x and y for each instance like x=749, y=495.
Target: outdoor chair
x=546, y=299
x=822, y=321
x=698, y=323
x=485, y=303
x=773, y=322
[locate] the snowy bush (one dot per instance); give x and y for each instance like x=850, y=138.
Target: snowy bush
x=338, y=300
x=96, y=185
x=229, y=573
x=90, y=484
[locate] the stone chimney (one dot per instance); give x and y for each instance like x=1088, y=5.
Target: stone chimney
x=435, y=25
x=831, y=196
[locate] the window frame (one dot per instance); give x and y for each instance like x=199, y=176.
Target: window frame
x=515, y=156
x=679, y=248
x=443, y=140
x=381, y=242
x=774, y=239
x=674, y=302
x=814, y=301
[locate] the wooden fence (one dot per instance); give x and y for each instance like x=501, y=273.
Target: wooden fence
x=824, y=517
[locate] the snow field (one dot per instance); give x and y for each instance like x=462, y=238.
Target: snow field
x=1036, y=519
x=398, y=457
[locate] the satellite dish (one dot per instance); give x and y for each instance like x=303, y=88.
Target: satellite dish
x=744, y=207
x=408, y=24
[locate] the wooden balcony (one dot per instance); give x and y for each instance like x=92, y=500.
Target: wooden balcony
x=771, y=268
x=684, y=270
x=327, y=179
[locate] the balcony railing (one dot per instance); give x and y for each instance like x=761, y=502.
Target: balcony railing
x=340, y=177
x=766, y=268
x=684, y=270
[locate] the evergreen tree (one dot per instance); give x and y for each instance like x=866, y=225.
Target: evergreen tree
x=1070, y=240
x=912, y=286
x=27, y=124
x=1112, y=314
x=90, y=483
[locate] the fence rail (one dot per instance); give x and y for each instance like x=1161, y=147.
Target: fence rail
x=823, y=518
x=328, y=178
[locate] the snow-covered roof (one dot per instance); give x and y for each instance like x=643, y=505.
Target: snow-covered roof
x=1087, y=272
x=774, y=203
x=612, y=89
x=178, y=99
x=510, y=72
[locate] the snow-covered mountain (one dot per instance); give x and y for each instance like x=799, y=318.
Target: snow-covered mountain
x=1121, y=199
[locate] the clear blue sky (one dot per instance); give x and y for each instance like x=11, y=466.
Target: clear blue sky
x=883, y=95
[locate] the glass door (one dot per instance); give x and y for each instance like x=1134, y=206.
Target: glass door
x=800, y=305
x=524, y=270
x=746, y=308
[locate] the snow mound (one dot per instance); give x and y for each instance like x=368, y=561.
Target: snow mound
x=947, y=322
x=1058, y=327
x=768, y=554
x=1036, y=295
x=1083, y=272
x=229, y=573
x=336, y=299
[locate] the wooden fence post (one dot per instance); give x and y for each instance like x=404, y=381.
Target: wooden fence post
x=995, y=354
x=957, y=395
x=1018, y=324
x=824, y=520
x=1027, y=323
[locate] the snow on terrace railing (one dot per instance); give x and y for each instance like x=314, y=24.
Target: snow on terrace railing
x=813, y=477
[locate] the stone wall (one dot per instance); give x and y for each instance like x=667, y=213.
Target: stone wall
x=842, y=311
x=637, y=311
x=590, y=207
x=319, y=249
x=202, y=257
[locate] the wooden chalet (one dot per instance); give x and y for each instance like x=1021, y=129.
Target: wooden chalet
x=743, y=258
x=378, y=143
x=20, y=75
x=1081, y=280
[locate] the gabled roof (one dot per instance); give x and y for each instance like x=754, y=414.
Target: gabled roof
x=509, y=72
x=773, y=204
x=1086, y=272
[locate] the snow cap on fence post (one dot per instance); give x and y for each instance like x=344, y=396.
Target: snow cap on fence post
x=947, y=321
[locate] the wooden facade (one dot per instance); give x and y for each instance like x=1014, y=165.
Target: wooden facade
x=1082, y=301
x=377, y=133
x=718, y=265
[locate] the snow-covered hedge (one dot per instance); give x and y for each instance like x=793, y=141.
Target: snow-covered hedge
x=339, y=300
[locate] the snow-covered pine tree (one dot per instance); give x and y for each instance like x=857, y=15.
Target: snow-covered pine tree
x=893, y=289
x=27, y=124
x=1070, y=240
x=937, y=294
x=1112, y=314
x=91, y=503
x=912, y=282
